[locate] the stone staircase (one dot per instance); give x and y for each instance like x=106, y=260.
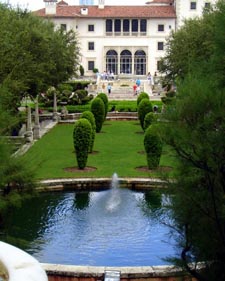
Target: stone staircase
x=122, y=89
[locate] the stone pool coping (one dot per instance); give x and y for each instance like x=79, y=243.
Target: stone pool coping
x=97, y=272
x=97, y=183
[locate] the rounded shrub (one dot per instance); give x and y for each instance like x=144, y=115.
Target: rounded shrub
x=142, y=96
x=90, y=117
x=98, y=109
x=153, y=147
x=81, y=69
x=104, y=98
x=144, y=107
x=81, y=139
x=150, y=118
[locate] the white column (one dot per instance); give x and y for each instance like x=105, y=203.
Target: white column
x=36, y=122
x=55, y=113
x=29, y=133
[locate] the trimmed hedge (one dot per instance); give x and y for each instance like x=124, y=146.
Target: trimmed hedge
x=142, y=96
x=90, y=117
x=150, y=118
x=104, y=98
x=78, y=85
x=81, y=139
x=118, y=105
x=153, y=148
x=98, y=109
x=144, y=107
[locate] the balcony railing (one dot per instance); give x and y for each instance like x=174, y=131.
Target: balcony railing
x=127, y=33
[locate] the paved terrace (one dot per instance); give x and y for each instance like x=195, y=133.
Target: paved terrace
x=122, y=89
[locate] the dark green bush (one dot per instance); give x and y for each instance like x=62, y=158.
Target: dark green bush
x=65, y=87
x=104, y=98
x=169, y=97
x=47, y=98
x=142, y=96
x=90, y=117
x=98, y=109
x=81, y=138
x=153, y=147
x=80, y=97
x=81, y=69
x=144, y=107
x=150, y=118
x=78, y=84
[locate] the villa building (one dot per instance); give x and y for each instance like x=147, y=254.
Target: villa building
x=128, y=40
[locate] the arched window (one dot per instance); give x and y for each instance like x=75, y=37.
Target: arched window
x=112, y=61
x=140, y=63
x=126, y=62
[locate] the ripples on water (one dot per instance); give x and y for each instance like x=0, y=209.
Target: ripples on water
x=116, y=227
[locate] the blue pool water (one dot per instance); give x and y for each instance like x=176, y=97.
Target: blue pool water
x=115, y=227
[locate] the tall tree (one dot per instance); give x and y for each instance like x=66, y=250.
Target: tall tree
x=196, y=132
x=33, y=54
x=185, y=48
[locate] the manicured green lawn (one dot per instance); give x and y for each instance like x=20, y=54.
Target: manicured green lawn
x=118, y=149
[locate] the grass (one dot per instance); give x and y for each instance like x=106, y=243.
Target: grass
x=118, y=148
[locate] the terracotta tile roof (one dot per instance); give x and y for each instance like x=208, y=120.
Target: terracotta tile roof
x=113, y=12
x=62, y=3
x=160, y=1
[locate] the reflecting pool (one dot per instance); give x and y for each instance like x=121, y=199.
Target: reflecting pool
x=115, y=227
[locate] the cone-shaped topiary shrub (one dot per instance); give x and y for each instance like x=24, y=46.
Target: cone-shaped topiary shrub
x=150, y=118
x=98, y=109
x=144, y=107
x=104, y=98
x=81, y=138
x=142, y=96
x=90, y=117
x=153, y=147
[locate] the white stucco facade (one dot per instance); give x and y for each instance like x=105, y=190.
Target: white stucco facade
x=121, y=50
x=186, y=9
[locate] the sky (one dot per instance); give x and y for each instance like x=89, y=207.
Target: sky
x=39, y=4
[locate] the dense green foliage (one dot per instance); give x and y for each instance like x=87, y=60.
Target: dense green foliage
x=142, y=96
x=153, y=147
x=195, y=128
x=16, y=180
x=144, y=107
x=82, y=135
x=33, y=54
x=90, y=117
x=104, y=98
x=150, y=118
x=98, y=109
